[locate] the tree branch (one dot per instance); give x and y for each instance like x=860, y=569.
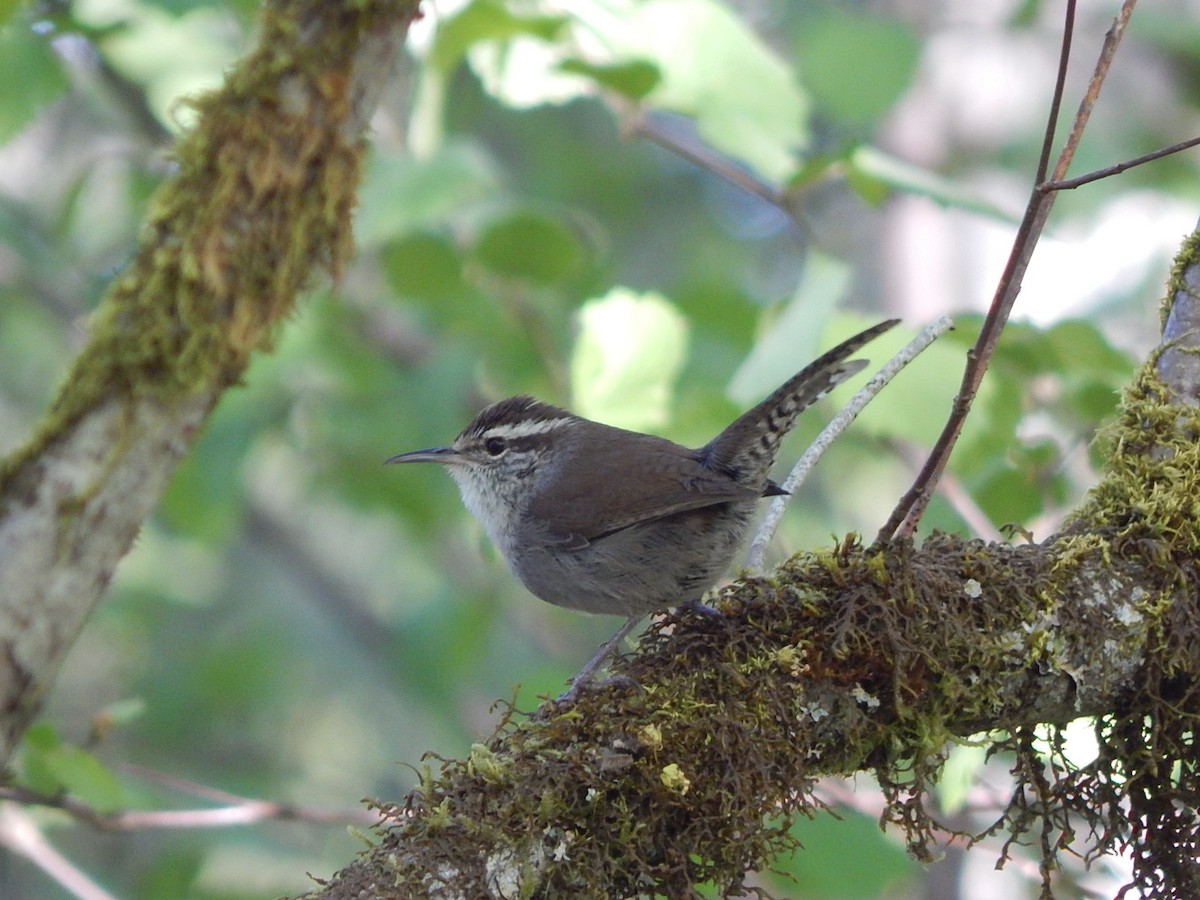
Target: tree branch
x=908, y=512
x=265, y=186
x=234, y=811
x=690, y=765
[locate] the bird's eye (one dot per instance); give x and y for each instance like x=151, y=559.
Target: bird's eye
x=495, y=445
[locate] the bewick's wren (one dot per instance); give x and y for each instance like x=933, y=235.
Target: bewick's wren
x=611, y=521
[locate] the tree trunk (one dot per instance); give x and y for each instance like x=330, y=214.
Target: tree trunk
x=263, y=197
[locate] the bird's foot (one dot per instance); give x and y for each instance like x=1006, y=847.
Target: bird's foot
x=585, y=680
x=590, y=684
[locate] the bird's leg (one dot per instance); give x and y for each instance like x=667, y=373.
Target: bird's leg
x=585, y=674
x=584, y=678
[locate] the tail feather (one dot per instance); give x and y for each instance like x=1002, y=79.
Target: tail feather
x=746, y=449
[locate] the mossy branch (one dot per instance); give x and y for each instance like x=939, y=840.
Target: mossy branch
x=689, y=767
x=262, y=199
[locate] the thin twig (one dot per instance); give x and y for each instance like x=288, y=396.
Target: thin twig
x=952, y=491
x=907, y=514
x=237, y=811
x=20, y=834
x=1108, y=50
x=641, y=125
x=1060, y=85
x=1117, y=168
x=838, y=424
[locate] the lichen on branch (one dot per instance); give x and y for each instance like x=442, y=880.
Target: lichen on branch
x=689, y=766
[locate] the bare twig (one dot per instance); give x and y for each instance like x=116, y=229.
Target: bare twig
x=952, y=491
x=20, y=834
x=699, y=154
x=838, y=424
x=1117, y=168
x=236, y=811
x=1060, y=82
x=908, y=511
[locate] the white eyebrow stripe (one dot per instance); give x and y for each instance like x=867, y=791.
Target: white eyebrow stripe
x=527, y=428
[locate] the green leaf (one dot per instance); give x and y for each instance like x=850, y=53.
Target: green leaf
x=205, y=496
x=790, y=338
x=30, y=77
x=486, y=20
x=856, y=65
x=627, y=356
x=959, y=775
x=168, y=55
x=85, y=777
x=51, y=767
x=403, y=194
x=744, y=99
x=1093, y=401
x=41, y=736
x=424, y=266
x=171, y=873
x=8, y=9
x=1008, y=495
x=914, y=406
x=822, y=866
x=1080, y=347
x=33, y=766
x=870, y=171
x=759, y=116
x=532, y=246
x=633, y=79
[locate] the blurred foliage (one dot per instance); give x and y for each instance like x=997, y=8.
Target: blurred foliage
x=299, y=623
x=50, y=766
x=26, y=59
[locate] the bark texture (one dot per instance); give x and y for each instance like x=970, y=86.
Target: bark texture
x=262, y=200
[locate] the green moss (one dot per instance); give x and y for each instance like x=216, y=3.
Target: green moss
x=1144, y=788
x=1189, y=255
x=262, y=200
x=696, y=776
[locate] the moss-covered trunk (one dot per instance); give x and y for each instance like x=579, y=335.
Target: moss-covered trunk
x=262, y=200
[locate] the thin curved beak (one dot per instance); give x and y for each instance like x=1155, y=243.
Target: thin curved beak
x=443, y=455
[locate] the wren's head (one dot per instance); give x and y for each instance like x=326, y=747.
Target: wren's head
x=495, y=460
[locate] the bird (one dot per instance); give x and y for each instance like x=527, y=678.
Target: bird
x=605, y=520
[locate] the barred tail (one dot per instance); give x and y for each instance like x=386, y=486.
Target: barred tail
x=746, y=449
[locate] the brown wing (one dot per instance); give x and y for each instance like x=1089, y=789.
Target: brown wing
x=617, y=478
